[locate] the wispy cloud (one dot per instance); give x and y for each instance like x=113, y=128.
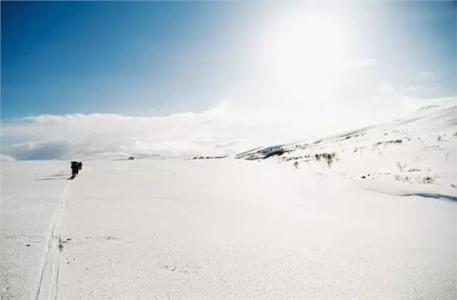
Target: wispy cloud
x=223, y=129
x=4, y=157
x=62, y=136
x=218, y=130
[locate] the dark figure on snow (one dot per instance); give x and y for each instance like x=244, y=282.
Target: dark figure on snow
x=76, y=166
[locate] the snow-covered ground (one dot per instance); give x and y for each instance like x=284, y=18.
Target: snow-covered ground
x=30, y=192
x=375, y=217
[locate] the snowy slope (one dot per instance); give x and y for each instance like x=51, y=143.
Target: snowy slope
x=415, y=155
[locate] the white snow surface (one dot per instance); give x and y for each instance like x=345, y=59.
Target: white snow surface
x=377, y=222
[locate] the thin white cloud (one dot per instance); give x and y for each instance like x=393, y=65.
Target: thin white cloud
x=223, y=129
x=215, y=131
x=4, y=157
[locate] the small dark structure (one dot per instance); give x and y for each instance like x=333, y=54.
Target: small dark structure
x=76, y=166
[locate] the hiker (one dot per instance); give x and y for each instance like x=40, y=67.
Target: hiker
x=76, y=166
x=74, y=169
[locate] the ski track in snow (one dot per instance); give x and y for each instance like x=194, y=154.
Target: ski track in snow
x=47, y=286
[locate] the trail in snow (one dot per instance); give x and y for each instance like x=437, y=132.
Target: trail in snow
x=47, y=286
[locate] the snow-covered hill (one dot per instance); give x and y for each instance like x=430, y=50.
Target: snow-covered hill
x=414, y=155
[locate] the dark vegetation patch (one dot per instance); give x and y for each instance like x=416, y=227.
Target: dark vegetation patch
x=208, y=157
x=329, y=158
x=249, y=152
x=397, y=141
x=264, y=153
x=428, y=180
x=277, y=152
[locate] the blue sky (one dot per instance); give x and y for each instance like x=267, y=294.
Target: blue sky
x=159, y=58
x=195, y=77
x=62, y=57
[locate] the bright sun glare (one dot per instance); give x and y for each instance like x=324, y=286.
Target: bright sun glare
x=309, y=53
